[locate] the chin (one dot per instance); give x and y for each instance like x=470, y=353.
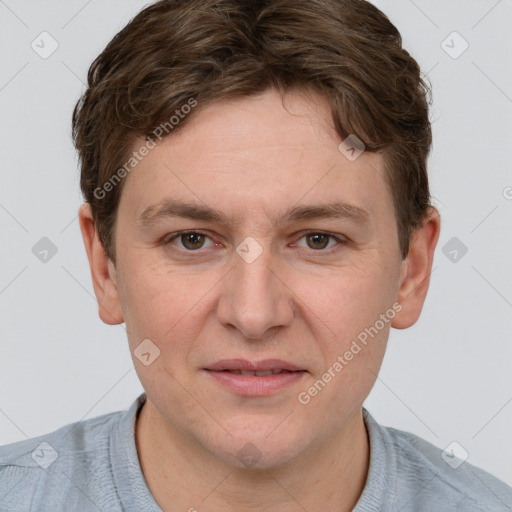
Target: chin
x=260, y=447
x=252, y=457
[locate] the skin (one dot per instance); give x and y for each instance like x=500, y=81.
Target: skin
x=253, y=159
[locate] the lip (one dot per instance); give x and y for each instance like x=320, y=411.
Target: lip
x=253, y=385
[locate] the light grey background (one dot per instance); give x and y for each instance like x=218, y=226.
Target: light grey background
x=448, y=378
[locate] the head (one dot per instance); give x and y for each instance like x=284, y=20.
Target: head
x=236, y=122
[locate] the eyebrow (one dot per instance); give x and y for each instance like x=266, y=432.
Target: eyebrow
x=169, y=208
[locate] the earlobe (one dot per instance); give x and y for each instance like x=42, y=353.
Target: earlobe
x=103, y=272
x=416, y=270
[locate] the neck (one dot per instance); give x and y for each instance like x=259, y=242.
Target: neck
x=182, y=475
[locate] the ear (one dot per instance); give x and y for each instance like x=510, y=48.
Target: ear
x=103, y=272
x=416, y=270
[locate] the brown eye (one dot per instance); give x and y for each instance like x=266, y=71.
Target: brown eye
x=186, y=242
x=318, y=240
x=192, y=241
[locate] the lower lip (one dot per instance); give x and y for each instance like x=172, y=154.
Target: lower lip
x=252, y=385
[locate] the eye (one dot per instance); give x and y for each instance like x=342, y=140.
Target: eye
x=190, y=240
x=318, y=240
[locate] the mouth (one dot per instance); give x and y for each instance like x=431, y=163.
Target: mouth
x=260, y=368
x=261, y=373
x=250, y=378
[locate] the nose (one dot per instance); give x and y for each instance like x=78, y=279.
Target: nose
x=255, y=297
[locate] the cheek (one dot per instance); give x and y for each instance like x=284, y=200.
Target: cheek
x=159, y=302
x=352, y=349
x=348, y=299
x=352, y=333
x=165, y=308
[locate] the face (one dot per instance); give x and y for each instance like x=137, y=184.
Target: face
x=267, y=277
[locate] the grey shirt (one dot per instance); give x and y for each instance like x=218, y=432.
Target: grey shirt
x=92, y=465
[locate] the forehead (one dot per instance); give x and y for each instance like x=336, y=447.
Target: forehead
x=254, y=155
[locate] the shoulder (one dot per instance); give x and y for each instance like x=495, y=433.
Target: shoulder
x=67, y=466
x=430, y=478
x=79, y=436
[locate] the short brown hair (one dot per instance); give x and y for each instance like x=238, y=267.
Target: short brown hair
x=178, y=51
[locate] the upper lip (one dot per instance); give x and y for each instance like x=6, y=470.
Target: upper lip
x=254, y=366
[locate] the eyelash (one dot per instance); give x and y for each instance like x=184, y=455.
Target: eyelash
x=173, y=236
